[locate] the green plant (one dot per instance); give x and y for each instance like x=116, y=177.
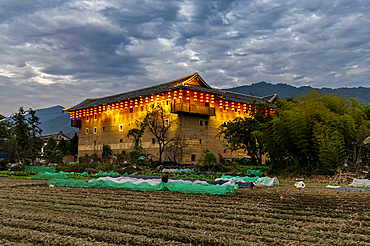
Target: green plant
x=107, y=153
x=17, y=168
x=134, y=157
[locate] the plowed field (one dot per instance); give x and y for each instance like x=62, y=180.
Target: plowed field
x=31, y=213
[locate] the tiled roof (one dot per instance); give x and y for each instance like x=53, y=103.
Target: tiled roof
x=175, y=84
x=60, y=133
x=233, y=96
x=270, y=98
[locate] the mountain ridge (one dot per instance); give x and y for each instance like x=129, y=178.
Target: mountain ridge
x=285, y=91
x=53, y=120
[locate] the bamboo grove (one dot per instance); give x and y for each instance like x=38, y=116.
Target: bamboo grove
x=314, y=133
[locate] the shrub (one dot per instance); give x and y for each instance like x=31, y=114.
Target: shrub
x=17, y=168
x=120, y=158
x=243, y=161
x=107, y=153
x=134, y=157
x=3, y=164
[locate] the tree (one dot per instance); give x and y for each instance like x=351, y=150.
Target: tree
x=138, y=132
x=134, y=157
x=367, y=111
x=5, y=132
x=177, y=149
x=107, y=153
x=159, y=124
x=58, y=155
x=22, y=133
x=209, y=160
x=62, y=146
x=247, y=133
x=73, y=145
x=158, y=121
x=35, y=131
x=49, y=155
x=7, y=141
x=51, y=144
x=120, y=158
x=315, y=133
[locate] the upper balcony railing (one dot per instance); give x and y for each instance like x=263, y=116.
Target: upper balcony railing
x=183, y=107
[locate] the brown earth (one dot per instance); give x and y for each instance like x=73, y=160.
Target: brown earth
x=31, y=213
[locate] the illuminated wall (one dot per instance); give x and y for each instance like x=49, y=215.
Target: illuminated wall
x=109, y=123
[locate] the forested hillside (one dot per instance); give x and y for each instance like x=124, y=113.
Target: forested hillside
x=285, y=91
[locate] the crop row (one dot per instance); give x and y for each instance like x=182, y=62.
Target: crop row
x=202, y=223
x=275, y=216
x=201, y=203
x=301, y=204
x=240, y=213
x=248, y=226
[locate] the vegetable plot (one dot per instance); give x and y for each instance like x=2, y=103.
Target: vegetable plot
x=35, y=214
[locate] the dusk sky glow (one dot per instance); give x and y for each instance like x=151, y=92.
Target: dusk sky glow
x=62, y=52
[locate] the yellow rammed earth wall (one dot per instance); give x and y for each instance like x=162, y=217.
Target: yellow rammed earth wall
x=195, y=132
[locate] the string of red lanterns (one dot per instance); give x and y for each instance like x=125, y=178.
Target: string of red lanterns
x=171, y=95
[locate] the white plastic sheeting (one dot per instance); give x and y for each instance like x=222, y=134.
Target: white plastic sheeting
x=233, y=179
x=157, y=180
x=360, y=183
x=333, y=186
x=260, y=181
x=267, y=181
x=168, y=170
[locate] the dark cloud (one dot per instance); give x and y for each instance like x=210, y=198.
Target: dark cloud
x=61, y=52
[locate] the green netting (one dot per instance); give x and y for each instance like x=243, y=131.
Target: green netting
x=246, y=179
x=172, y=186
x=255, y=172
x=187, y=170
x=69, y=173
x=183, y=187
x=48, y=175
x=112, y=174
x=101, y=173
x=39, y=169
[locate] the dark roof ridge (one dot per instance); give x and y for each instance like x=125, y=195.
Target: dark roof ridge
x=240, y=94
x=271, y=98
x=148, y=87
x=227, y=95
x=128, y=94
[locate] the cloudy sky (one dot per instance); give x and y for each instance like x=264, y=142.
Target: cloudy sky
x=62, y=51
